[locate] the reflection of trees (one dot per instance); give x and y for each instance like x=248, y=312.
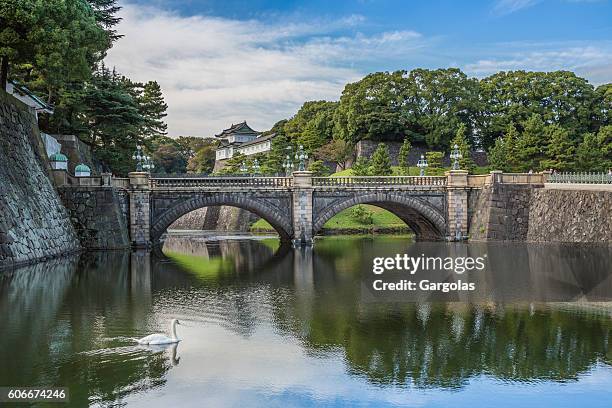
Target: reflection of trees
x=55, y=312
x=441, y=344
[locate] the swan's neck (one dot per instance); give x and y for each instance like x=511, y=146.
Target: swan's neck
x=173, y=330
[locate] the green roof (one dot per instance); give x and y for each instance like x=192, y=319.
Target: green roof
x=82, y=167
x=58, y=157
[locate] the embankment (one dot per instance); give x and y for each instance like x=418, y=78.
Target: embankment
x=34, y=225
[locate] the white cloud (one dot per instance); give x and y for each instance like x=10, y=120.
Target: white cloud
x=510, y=6
x=217, y=71
x=591, y=61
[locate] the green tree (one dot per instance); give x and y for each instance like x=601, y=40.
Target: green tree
x=466, y=162
x=233, y=165
x=336, y=151
x=312, y=126
x=437, y=102
x=434, y=161
x=559, y=97
x=604, y=96
x=595, y=151
x=153, y=109
x=113, y=120
x=169, y=158
x=319, y=168
x=362, y=215
x=371, y=109
x=381, y=163
x=502, y=155
x=203, y=161
x=560, y=154
x=403, y=156
x=361, y=167
x=532, y=144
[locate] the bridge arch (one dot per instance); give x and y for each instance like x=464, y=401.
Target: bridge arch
x=425, y=220
x=279, y=221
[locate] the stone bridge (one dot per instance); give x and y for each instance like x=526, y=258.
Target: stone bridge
x=110, y=212
x=434, y=207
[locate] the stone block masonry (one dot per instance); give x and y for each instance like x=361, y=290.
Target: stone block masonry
x=99, y=216
x=514, y=212
x=34, y=225
x=570, y=216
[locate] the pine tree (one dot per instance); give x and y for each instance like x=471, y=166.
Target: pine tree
x=361, y=167
x=381, y=163
x=434, y=161
x=604, y=139
x=531, y=144
x=590, y=154
x=502, y=156
x=560, y=154
x=106, y=16
x=153, y=109
x=465, y=162
x=403, y=156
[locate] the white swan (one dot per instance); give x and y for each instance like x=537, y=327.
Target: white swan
x=159, y=338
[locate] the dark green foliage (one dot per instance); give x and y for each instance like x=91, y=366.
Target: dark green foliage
x=312, y=125
x=423, y=105
x=319, y=168
x=361, y=167
x=502, y=156
x=403, y=156
x=203, y=160
x=336, y=151
x=434, y=160
x=460, y=139
x=381, y=163
x=153, y=109
x=595, y=151
x=560, y=154
x=558, y=97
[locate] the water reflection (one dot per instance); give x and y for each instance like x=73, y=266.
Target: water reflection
x=69, y=322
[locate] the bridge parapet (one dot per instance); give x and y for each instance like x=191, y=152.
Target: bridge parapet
x=379, y=181
x=174, y=183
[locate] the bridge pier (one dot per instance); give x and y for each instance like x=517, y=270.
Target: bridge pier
x=302, y=208
x=457, y=205
x=140, y=214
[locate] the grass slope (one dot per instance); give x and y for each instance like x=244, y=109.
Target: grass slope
x=343, y=220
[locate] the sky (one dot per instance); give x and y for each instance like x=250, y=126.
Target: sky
x=220, y=62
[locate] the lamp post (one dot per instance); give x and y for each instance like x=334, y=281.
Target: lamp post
x=147, y=164
x=455, y=156
x=422, y=165
x=301, y=156
x=256, y=167
x=288, y=165
x=243, y=168
x=139, y=157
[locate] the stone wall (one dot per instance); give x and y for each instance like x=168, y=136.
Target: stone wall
x=221, y=218
x=502, y=213
x=99, y=216
x=570, y=216
x=365, y=148
x=513, y=212
x=34, y=225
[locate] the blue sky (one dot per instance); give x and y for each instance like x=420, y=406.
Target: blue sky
x=225, y=61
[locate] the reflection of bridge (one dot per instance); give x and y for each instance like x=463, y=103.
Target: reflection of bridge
x=435, y=208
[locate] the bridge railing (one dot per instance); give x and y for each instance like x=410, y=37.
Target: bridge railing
x=580, y=178
x=374, y=181
x=220, y=182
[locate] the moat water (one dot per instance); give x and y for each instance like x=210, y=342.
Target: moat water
x=272, y=326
